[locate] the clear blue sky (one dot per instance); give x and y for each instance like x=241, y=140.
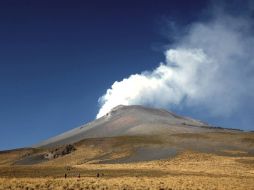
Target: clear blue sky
x=58, y=57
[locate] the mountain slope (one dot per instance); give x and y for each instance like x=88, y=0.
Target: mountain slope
x=131, y=134
x=129, y=121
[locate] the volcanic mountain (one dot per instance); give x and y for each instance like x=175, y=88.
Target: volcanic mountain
x=131, y=134
x=129, y=121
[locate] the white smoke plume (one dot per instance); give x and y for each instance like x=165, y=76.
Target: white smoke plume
x=212, y=66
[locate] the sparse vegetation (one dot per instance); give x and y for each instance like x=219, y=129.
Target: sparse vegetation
x=220, y=160
x=188, y=170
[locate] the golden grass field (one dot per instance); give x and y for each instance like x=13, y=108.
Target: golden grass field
x=188, y=170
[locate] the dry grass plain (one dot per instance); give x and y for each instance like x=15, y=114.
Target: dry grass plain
x=188, y=170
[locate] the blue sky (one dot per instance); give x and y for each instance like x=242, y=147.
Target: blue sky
x=57, y=58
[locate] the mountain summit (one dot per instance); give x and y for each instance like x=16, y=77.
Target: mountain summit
x=127, y=120
x=131, y=120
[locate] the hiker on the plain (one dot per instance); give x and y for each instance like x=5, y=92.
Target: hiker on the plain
x=65, y=175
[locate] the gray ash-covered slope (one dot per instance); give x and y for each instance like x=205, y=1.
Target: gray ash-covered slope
x=130, y=121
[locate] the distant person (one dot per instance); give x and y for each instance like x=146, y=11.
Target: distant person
x=65, y=176
x=98, y=175
x=78, y=175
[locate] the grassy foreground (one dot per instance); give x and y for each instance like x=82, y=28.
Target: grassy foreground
x=141, y=183
x=188, y=170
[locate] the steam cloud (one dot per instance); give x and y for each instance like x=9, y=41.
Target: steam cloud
x=211, y=66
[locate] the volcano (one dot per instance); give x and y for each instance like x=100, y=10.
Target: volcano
x=130, y=121
x=133, y=134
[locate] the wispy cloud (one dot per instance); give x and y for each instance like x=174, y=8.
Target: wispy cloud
x=211, y=67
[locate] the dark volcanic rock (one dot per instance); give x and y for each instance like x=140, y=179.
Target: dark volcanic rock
x=58, y=152
x=36, y=158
